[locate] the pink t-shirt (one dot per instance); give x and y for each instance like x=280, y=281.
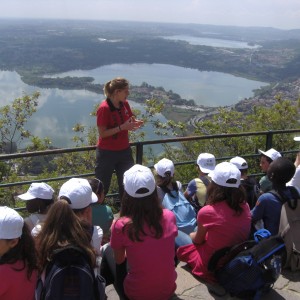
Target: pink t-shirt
x=224, y=228
x=14, y=284
x=151, y=273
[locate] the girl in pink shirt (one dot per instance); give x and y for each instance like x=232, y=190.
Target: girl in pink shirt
x=143, y=240
x=224, y=221
x=18, y=271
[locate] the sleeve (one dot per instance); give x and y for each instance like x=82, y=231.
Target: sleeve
x=257, y=213
x=97, y=239
x=117, y=239
x=207, y=216
x=103, y=114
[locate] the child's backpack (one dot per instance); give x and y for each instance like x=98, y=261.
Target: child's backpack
x=183, y=210
x=69, y=276
x=289, y=227
x=249, y=269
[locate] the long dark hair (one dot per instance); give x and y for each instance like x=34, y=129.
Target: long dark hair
x=62, y=227
x=165, y=181
x=142, y=211
x=24, y=251
x=234, y=197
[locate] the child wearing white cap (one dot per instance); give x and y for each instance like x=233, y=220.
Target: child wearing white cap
x=196, y=188
x=169, y=192
x=79, y=194
x=38, y=199
x=63, y=228
x=268, y=206
x=164, y=177
x=224, y=221
x=18, y=268
x=144, y=238
x=265, y=160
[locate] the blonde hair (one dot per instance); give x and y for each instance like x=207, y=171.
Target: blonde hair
x=111, y=86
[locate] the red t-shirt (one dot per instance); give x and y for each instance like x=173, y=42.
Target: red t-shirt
x=151, y=273
x=111, y=117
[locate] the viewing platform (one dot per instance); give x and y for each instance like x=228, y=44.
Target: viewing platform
x=189, y=287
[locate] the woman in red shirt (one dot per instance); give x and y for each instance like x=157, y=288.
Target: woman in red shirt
x=114, y=120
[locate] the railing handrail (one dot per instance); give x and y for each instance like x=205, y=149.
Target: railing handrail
x=148, y=142
x=139, y=151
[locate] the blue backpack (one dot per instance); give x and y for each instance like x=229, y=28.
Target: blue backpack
x=69, y=276
x=184, y=212
x=249, y=269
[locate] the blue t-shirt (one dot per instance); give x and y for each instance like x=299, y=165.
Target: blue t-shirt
x=268, y=209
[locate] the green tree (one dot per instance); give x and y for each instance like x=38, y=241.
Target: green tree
x=13, y=118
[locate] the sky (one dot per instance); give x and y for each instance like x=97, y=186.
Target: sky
x=283, y=14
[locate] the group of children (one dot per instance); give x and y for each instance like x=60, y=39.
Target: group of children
x=158, y=225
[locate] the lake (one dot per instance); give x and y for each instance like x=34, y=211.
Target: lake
x=205, y=88
x=211, y=42
x=60, y=110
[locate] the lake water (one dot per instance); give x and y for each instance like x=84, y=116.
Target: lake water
x=60, y=110
x=211, y=42
x=206, y=88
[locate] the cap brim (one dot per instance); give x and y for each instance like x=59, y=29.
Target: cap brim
x=205, y=170
x=261, y=152
x=94, y=198
x=297, y=138
x=26, y=197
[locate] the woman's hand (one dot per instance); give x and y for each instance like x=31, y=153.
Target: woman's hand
x=132, y=124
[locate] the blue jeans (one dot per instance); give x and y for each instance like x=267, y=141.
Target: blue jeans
x=182, y=239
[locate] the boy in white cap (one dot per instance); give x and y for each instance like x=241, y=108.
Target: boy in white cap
x=78, y=193
x=18, y=267
x=195, y=192
x=38, y=199
x=295, y=181
x=265, y=160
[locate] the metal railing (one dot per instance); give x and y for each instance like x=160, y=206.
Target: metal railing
x=139, y=146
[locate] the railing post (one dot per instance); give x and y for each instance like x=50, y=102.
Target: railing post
x=139, y=153
x=269, y=140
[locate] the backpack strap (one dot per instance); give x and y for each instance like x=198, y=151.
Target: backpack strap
x=222, y=256
x=292, y=201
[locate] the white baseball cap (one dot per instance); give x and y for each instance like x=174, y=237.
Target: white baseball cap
x=79, y=192
x=297, y=138
x=226, y=174
x=136, y=178
x=271, y=153
x=163, y=166
x=38, y=190
x=206, y=162
x=11, y=223
x=239, y=162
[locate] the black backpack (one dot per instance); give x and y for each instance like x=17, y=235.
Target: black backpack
x=69, y=276
x=249, y=269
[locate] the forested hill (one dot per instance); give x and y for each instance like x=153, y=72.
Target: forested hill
x=36, y=48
